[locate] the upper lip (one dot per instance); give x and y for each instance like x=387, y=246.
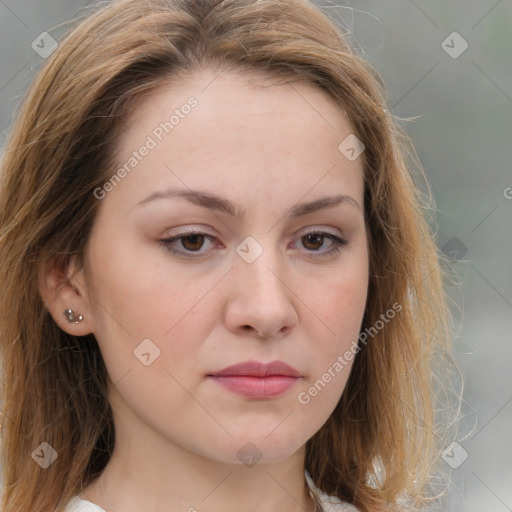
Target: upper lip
x=258, y=369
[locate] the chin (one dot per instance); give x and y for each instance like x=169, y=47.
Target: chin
x=251, y=448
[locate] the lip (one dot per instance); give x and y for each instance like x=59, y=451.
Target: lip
x=257, y=380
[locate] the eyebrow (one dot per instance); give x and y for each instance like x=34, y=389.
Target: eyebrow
x=214, y=202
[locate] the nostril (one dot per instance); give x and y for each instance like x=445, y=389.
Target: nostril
x=251, y=328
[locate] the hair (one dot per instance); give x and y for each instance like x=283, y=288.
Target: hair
x=380, y=446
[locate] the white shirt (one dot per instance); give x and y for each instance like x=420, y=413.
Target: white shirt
x=329, y=504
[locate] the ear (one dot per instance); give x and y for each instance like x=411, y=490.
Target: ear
x=62, y=287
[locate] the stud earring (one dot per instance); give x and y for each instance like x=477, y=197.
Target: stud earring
x=72, y=317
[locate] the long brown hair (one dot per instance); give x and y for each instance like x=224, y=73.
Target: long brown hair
x=379, y=447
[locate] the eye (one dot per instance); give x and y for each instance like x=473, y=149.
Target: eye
x=315, y=240
x=191, y=242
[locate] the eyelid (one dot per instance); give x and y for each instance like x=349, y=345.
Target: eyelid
x=192, y=230
x=319, y=229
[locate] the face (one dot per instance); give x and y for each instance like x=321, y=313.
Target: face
x=228, y=267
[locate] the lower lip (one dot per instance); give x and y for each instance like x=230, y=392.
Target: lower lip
x=256, y=387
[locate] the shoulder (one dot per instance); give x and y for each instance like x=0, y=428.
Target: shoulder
x=329, y=503
x=78, y=505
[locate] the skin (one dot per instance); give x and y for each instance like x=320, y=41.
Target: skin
x=265, y=149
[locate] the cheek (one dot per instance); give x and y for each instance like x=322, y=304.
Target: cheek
x=137, y=294
x=339, y=307
x=136, y=289
x=340, y=301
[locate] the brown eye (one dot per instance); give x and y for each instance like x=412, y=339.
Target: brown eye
x=320, y=244
x=192, y=242
x=313, y=241
x=188, y=244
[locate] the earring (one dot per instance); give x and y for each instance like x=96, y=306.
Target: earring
x=72, y=317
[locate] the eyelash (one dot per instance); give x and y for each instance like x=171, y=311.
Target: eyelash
x=338, y=244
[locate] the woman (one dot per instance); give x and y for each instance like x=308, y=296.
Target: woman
x=219, y=289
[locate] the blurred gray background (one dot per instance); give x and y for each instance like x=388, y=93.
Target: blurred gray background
x=449, y=65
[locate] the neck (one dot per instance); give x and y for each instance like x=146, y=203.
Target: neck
x=130, y=484
x=149, y=472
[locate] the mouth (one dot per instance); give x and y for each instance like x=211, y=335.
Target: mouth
x=257, y=380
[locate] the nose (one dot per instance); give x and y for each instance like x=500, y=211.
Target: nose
x=260, y=300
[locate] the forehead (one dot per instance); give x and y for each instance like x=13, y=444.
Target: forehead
x=236, y=99
x=222, y=129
